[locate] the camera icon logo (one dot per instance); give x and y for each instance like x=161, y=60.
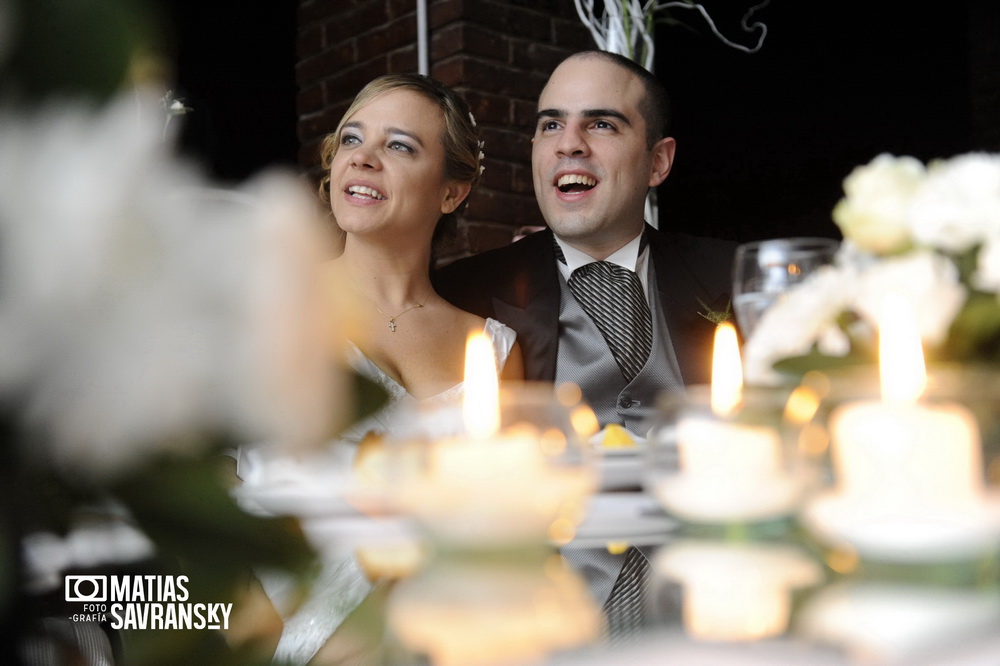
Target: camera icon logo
x=86, y=588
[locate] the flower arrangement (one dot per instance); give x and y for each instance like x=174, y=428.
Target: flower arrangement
x=929, y=232
x=151, y=321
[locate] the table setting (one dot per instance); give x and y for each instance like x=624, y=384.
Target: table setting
x=831, y=497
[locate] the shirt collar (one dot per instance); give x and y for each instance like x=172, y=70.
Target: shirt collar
x=626, y=256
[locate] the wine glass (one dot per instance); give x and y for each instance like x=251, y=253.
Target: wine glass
x=764, y=270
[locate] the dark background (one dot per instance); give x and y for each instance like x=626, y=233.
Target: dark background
x=235, y=66
x=764, y=140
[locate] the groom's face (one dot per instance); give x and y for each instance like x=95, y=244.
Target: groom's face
x=590, y=162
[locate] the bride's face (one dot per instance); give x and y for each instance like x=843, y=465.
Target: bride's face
x=389, y=170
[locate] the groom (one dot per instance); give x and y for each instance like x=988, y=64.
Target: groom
x=600, y=298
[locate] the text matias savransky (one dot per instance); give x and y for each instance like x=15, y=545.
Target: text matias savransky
x=143, y=602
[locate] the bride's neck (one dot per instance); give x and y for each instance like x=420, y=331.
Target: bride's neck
x=388, y=277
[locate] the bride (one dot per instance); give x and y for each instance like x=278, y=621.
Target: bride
x=402, y=160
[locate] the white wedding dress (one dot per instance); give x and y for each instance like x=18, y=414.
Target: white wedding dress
x=340, y=585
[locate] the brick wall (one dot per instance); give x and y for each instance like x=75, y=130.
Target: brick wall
x=496, y=53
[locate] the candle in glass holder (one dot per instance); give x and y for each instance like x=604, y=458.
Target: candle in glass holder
x=908, y=472
x=484, y=484
x=729, y=471
x=736, y=591
x=899, y=452
x=493, y=612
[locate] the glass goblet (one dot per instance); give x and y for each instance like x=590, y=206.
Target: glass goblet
x=764, y=270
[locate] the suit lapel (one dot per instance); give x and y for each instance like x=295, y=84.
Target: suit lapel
x=531, y=306
x=680, y=291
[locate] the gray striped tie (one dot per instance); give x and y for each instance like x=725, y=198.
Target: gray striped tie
x=626, y=604
x=612, y=297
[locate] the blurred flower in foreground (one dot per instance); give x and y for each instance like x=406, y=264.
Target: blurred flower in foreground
x=138, y=306
x=932, y=233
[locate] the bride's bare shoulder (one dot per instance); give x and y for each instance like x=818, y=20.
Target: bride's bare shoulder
x=464, y=320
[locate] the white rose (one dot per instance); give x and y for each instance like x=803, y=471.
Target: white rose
x=930, y=282
x=987, y=275
x=141, y=306
x=805, y=316
x=958, y=204
x=873, y=214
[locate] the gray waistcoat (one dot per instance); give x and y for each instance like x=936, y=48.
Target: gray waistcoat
x=585, y=359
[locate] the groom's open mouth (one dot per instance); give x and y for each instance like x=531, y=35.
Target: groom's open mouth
x=575, y=183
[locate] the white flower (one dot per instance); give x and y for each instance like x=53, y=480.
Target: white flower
x=874, y=212
x=141, y=307
x=958, y=205
x=930, y=282
x=177, y=108
x=987, y=276
x=805, y=316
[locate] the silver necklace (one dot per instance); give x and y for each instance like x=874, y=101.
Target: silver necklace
x=392, y=318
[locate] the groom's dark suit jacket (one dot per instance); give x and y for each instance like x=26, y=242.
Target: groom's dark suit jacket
x=519, y=286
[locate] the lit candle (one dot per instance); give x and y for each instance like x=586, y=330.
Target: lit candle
x=492, y=484
x=729, y=471
x=900, y=453
x=908, y=472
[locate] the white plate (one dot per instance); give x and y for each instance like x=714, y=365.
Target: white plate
x=292, y=500
x=619, y=516
x=912, y=535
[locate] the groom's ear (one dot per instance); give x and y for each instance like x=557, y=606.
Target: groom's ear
x=663, y=160
x=454, y=194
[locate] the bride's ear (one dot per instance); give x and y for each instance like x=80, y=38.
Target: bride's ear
x=454, y=194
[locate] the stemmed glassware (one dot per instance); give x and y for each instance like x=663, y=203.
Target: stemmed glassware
x=764, y=270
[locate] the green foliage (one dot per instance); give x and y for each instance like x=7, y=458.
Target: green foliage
x=975, y=332
x=715, y=316
x=75, y=48
x=796, y=366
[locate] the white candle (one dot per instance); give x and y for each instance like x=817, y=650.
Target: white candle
x=898, y=454
x=908, y=473
x=493, y=484
x=729, y=471
x=499, y=490
x=901, y=457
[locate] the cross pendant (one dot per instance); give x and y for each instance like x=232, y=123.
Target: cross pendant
x=392, y=325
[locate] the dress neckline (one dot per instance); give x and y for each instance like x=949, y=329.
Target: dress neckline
x=396, y=391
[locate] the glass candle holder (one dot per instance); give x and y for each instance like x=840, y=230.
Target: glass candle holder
x=901, y=623
x=912, y=482
x=526, y=480
x=736, y=591
x=517, y=608
x=738, y=467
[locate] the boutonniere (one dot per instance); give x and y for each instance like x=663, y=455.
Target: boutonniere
x=716, y=316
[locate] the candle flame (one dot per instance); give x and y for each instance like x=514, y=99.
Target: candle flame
x=481, y=404
x=901, y=358
x=727, y=371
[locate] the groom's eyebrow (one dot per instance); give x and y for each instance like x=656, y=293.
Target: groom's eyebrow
x=549, y=113
x=586, y=113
